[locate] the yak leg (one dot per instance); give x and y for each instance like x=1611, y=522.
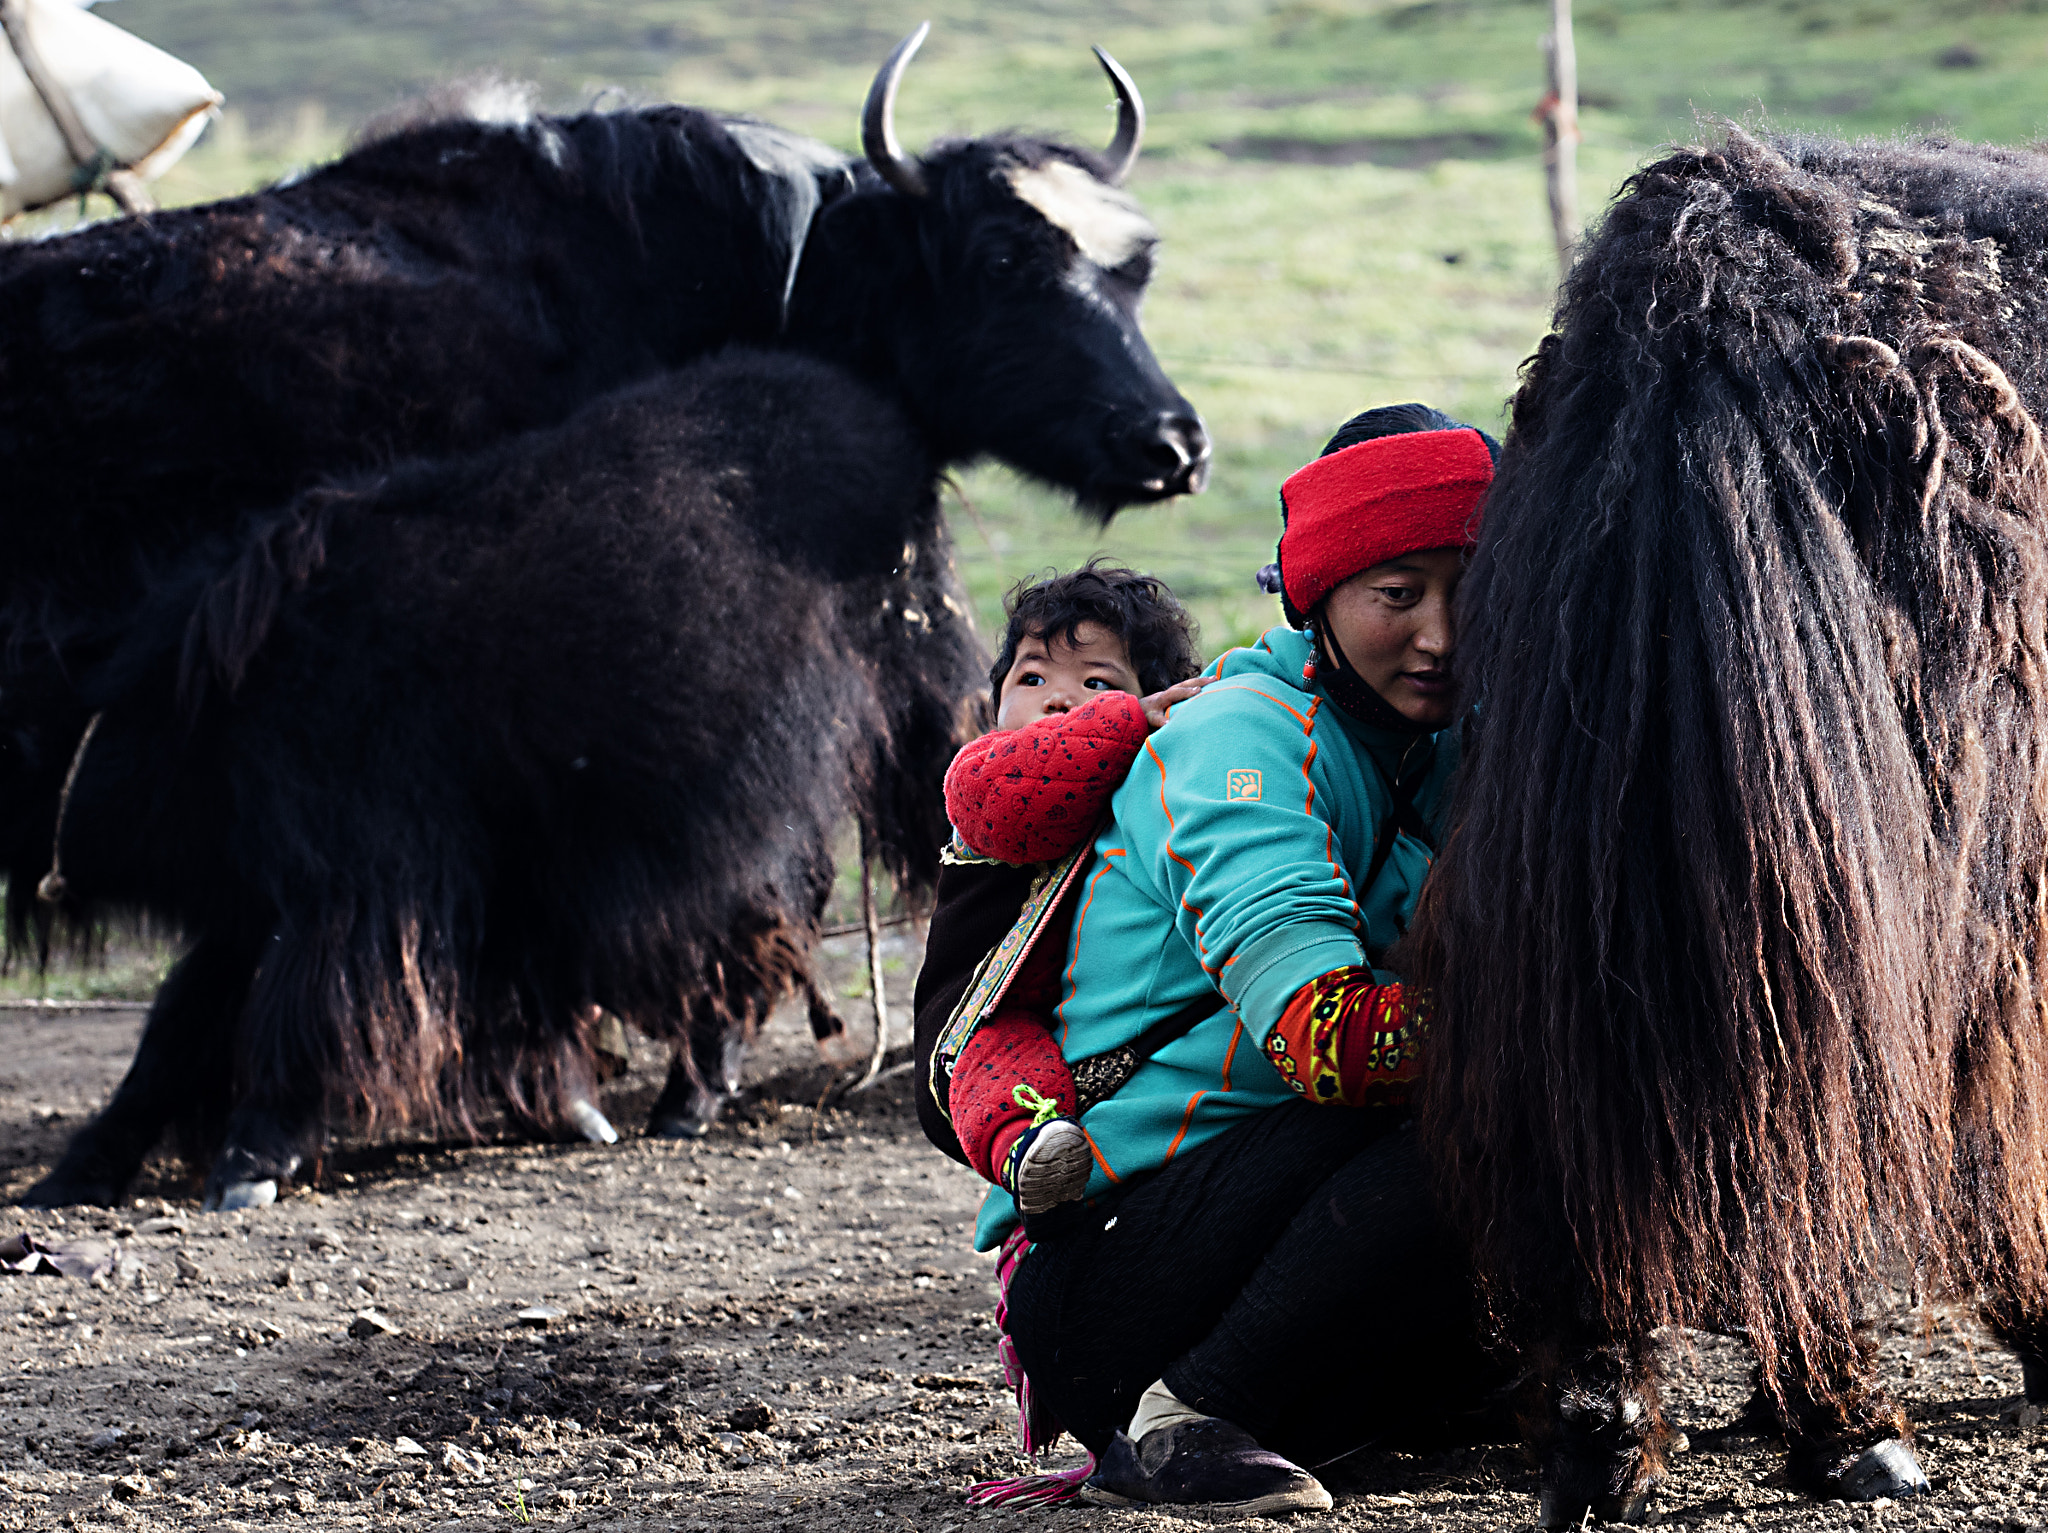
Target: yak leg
x=1848, y=1439
x=181, y=1055
x=2026, y=1336
x=602, y=1052
x=828, y=1029
x=826, y=1024
x=1591, y=1414
x=704, y=1076
x=686, y=1108
x=287, y=1054
x=581, y=1080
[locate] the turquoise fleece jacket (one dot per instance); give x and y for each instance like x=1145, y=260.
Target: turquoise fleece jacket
x=1229, y=864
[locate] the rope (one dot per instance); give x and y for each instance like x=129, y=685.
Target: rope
x=51, y=889
x=870, y=918
x=855, y=928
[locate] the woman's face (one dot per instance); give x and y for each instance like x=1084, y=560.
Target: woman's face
x=1394, y=624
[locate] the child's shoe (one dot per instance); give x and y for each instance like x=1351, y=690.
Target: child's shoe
x=1048, y=1165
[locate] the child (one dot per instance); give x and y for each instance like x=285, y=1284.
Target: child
x=1090, y=663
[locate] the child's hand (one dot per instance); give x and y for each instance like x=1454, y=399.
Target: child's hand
x=1156, y=705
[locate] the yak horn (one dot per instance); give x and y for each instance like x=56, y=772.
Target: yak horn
x=878, y=120
x=1122, y=153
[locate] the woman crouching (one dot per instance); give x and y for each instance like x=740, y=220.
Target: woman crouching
x=1255, y=1278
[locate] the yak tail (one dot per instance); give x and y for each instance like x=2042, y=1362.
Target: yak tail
x=235, y=611
x=1754, y=635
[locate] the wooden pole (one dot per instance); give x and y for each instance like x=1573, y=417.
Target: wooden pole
x=1560, y=115
x=119, y=183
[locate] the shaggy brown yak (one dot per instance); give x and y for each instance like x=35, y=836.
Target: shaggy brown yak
x=423, y=762
x=1736, y=937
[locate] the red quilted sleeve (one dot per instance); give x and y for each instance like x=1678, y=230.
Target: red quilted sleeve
x=1010, y=1049
x=1032, y=794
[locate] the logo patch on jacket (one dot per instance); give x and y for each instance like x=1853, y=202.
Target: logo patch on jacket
x=1241, y=782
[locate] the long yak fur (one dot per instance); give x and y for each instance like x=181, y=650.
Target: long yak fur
x=1735, y=941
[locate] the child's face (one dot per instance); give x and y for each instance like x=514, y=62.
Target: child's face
x=1050, y=675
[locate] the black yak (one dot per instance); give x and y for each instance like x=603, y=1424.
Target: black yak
x=1737, y=937
x=426, y=761
x=455, y=281
x=989, y=290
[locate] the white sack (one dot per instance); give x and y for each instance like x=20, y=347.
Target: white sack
x=142, y=106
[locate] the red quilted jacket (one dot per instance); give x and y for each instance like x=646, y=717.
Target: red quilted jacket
x=1032, y=794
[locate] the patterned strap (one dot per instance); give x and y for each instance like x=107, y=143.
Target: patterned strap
x=992, y=979
x=1101, y=1076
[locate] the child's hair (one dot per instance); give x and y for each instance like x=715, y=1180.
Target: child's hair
x=1155, y=628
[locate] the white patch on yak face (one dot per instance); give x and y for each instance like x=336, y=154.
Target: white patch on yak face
x=507, y=103
x=1102, y=220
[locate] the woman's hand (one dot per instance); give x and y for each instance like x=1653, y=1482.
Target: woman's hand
x=1158, y=703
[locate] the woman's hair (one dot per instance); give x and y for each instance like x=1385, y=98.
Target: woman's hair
x=1155, y=628
x=1399, y=420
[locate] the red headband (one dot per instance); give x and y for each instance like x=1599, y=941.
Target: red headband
x=1376, y=501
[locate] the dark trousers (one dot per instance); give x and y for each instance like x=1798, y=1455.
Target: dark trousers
x=1289, y=1276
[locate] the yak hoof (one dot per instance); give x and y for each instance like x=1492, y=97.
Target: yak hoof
x=60, y=1191
x=1883, y=1471
x=679, y=1126
x=233, y=1195
x=592, y=1124
x=1560, y=1511
x=2024, y=1414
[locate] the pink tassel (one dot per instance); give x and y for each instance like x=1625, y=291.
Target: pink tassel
x=1048, y=1489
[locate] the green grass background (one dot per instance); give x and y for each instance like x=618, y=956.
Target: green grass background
x=1415, y=262
x=1291, y=294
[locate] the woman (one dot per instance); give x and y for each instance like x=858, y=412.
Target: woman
x=1257, y=1269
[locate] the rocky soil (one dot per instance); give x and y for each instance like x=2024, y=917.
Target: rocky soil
x=780, y=1324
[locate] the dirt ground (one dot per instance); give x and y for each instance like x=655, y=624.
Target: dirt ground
x=782, y=1324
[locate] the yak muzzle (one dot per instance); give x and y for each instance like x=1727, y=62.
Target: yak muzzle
x=1170, y=457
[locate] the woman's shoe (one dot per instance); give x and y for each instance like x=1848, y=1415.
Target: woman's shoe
x=1204, y=1462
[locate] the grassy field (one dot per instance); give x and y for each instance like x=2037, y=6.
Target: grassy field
x=1351, y=190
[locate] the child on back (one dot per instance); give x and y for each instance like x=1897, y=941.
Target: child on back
x=1090, y=663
